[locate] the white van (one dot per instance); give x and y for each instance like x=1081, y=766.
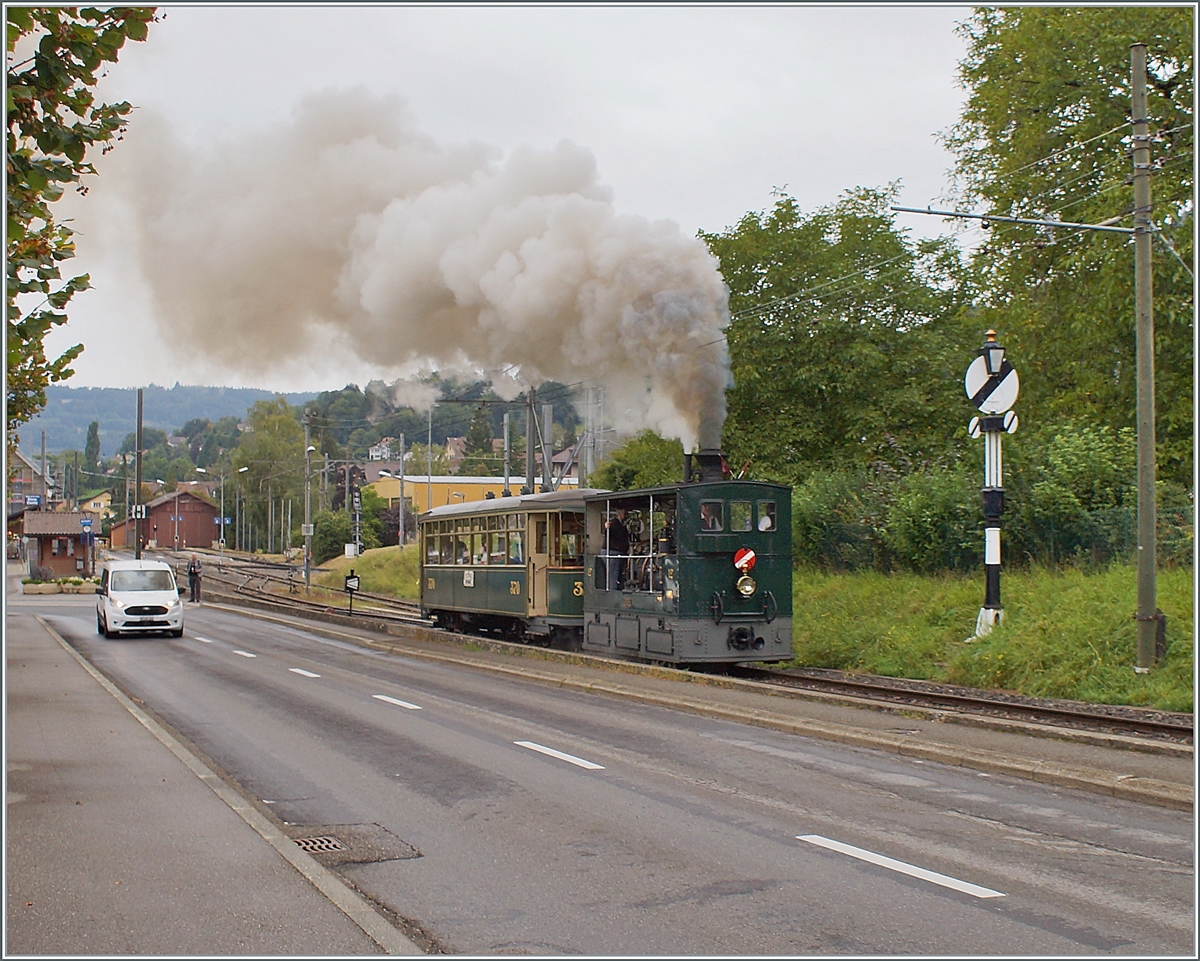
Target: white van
x=138, y=596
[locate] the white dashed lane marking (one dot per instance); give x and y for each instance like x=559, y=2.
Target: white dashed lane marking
x=202, y=640
x=966, y=887
x=245, y=654
x=396, y=701
x=298, y=670
x=569, y=758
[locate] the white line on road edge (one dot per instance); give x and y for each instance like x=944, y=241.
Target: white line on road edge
x=300, y=670
x=202, y=640
x=570, y=758
x=324, y=880
x=245, y=654
x=945, y=881
x=396, y=701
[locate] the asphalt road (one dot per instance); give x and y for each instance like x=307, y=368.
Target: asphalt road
x=649, y=831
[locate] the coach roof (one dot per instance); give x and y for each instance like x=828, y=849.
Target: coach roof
x=520, y=502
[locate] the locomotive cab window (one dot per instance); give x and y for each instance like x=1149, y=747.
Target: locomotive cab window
x=766, y=515
x=711, y=515
x=739, y=516
x=630, y=535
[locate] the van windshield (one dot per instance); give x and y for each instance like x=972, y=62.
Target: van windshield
x=141, y=581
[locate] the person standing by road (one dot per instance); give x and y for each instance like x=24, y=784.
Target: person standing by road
x=194, y=571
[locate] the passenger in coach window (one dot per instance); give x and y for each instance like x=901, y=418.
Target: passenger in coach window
x=710, y=517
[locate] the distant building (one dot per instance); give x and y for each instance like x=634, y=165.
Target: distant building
x=382, y=450
x=100, y=504
x=56, y=541
x=26, y=482
x=421, y=492
x=180, y=520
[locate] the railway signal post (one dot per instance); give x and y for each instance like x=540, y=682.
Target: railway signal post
x=992, y=386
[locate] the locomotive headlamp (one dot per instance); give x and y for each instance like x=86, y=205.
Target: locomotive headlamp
x=746, y=585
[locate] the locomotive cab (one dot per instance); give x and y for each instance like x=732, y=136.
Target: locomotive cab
x=700, y=573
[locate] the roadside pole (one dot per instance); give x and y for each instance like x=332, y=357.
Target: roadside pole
x=137, y=500
x=308, y=527
x=1147, y=606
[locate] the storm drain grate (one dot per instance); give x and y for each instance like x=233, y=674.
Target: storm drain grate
x=325, y=843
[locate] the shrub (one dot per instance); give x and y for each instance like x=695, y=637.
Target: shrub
x=836, y=517
x=933, y=523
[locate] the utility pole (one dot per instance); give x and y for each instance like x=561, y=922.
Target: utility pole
x=402, y=492
x=45, y=505
x=547, y=446
x=308, y=527
x=507, y=492
x=530, y=433
x=137, y=483
x=1147, y=607
x=429, y=462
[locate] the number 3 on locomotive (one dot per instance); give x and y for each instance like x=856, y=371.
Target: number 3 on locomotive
x=577, y=590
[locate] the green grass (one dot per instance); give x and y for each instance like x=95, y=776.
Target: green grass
x=1065, y=633
x=385, y=570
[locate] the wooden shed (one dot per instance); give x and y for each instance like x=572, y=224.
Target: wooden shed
x=56, y=541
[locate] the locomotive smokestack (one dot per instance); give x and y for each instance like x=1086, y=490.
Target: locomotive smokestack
x=705, y=466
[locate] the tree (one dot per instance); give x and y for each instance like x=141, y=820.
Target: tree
x=53, y=119
x=331, y=532
x=272, y=448
x=91, y=449
x=845, y=337
x=645, y=460
x=1044, y=135
x=481, y=459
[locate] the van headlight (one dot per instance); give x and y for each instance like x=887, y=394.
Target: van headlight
x=175, y=602
x=119, y=605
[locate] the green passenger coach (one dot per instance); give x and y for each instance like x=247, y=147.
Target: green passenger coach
x=509, y=565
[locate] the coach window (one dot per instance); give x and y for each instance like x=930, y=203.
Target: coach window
x=572, y=540
x=710, y=515
x=739, y=516
x=766, y=515
x=433, y=552
x=497, y=554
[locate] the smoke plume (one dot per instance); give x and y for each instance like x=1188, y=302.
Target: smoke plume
x=347, y=227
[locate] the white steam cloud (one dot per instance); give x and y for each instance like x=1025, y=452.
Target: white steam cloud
x=349, y=227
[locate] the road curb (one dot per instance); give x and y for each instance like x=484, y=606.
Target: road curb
x=1115, y=784
x=329, y=884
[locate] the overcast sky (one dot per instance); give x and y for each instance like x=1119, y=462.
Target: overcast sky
x=693, y=114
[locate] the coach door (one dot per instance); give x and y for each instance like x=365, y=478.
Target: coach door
x=538, y=532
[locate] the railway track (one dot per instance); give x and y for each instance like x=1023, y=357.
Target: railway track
x=1138, y=722
x=253, y=578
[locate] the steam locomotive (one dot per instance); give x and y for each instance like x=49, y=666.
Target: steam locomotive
x=695, y=573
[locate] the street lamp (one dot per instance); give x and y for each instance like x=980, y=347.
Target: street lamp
x=993, y=354
x=221, y=542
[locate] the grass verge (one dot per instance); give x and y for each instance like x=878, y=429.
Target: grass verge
x=385, y=570
x=1065, y=633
